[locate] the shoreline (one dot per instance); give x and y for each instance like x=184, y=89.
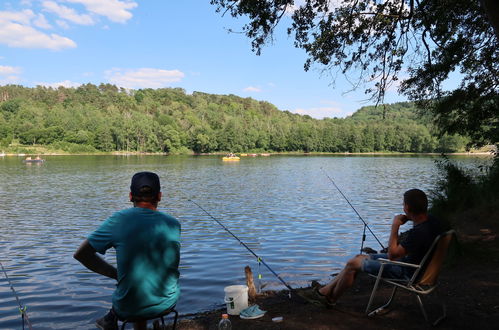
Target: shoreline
x=259, y=154
x=471, y=306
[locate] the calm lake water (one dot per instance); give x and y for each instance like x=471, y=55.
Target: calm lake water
x=283, y=207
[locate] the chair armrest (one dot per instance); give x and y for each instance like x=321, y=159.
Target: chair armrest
x=400, y=263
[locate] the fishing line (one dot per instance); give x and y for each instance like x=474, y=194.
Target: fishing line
x=22, y=310
x=260, y=260
x=360, y=217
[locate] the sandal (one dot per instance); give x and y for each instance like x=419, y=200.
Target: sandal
x=323, y=298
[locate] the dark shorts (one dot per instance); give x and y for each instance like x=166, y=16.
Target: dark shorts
x=371, y=265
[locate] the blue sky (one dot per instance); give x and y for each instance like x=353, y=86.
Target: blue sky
x=161, y=43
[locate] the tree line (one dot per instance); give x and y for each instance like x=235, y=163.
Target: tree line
x=106, y=118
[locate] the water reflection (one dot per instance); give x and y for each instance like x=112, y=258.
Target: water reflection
x=282, y=207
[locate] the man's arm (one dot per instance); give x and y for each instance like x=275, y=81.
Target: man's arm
x=395, y=250
x=87, y=255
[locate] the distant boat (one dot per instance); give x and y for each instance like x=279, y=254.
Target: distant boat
x=231, y=159
x=33, y=160
x=265, y=155
x=2, y=154
x=244, y=155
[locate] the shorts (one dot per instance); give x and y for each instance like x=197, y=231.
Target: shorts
x=371, y=265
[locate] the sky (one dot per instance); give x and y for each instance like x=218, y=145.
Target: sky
x=162, y=43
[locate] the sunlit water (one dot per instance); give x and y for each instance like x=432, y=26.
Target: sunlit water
x=284, y=208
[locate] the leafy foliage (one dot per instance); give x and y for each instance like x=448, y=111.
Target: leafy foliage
x=376, y=43
x=107, y=118
x=462, y=190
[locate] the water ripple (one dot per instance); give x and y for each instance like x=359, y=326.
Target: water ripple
x=284, y=208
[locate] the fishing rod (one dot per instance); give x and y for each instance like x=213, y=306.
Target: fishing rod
x=242, y=243
x=22, y=310
x=360, y=217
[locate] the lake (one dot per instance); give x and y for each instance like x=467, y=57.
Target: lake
x=283, y=207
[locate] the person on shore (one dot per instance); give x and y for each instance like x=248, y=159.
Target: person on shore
x=411, y=250
x=147, y=244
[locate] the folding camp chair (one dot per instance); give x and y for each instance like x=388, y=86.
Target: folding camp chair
x=423, y=280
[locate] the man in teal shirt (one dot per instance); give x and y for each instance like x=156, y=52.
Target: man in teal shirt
x=147, y=244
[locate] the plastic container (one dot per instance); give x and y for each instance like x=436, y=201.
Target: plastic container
x=224, y=323
x=236, y=298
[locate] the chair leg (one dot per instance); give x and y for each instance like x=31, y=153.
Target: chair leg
x=441, y=303
x=421, y=306
x=444, y=307
x=442, y=316
x=385, y=306
x=175, y=320
x=375, y=288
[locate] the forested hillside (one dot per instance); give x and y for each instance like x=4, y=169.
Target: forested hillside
x=106, y=118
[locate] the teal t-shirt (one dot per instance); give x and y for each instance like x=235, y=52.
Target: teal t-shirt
x=147, y=247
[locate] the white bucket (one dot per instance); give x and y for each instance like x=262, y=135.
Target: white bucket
x=236, y=298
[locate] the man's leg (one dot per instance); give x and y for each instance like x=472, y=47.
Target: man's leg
x=108, y=321
x=344, y=280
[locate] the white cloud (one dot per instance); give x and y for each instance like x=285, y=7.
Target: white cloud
x=323, y=112
x=8, y=74
x=6, y=70
x=23, y=17
x=252, y=89
x=16, y=31
x=42, y=22
x=10, y=80
x=65, y=83
x=27, y=3
x=143, y=77
x=67, y=13
x=115, y=10
x=23, y=28
x=62, y=24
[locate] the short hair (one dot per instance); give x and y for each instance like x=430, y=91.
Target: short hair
x=416, y=201
x=145, y=194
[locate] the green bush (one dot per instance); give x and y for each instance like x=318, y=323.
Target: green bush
x=73, y=147
x=460, y=189
x=180, y=151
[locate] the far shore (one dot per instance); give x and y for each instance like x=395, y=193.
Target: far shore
x=248, y=154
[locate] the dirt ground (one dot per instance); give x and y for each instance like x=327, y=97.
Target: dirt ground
x=469, y=285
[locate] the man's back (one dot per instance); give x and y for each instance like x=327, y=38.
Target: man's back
x=420, y=238
x=147, y=244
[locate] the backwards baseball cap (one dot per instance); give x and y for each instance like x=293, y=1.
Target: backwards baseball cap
x=141, y=180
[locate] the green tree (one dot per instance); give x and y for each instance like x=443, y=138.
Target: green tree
x=421, y=42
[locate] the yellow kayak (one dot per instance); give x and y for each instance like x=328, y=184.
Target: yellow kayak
x=230, y=159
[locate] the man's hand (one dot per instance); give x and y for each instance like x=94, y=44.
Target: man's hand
x=395, y=250
x=400, y=219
